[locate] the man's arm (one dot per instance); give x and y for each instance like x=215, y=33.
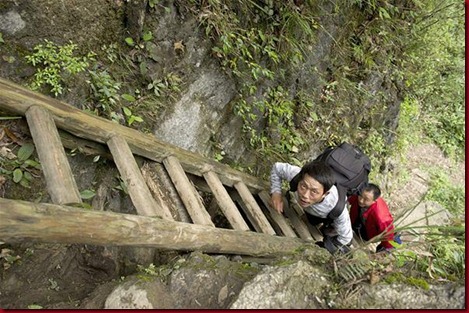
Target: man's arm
x=343, y=226
x=280, y=171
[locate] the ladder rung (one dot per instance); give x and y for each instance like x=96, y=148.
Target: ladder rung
x=187, y=191
x=138, y=189
x=279, y=219
x=225, y=202
x=253, y=211
x=300, y=227
x=57, y=172
x=156, y=191
x=314, y=231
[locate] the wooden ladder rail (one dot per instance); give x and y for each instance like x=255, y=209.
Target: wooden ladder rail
x=300, y=226
x=34, y=222
x=60, y=182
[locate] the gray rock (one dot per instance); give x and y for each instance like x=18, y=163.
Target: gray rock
x=138, y=293
x=398, y=296
x=297, y=286
x=11, y=22
x=198, y=113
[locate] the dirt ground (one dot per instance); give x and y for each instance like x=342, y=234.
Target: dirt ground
x=421, y=159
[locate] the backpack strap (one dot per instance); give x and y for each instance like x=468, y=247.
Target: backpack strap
x=340, y=205
x=294, y=183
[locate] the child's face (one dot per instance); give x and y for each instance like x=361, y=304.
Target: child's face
x=310, y=191
x=365, y=200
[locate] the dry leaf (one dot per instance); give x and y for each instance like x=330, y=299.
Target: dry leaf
x=178, y=46
x=12, y=136
x=6, y=153
x=374, y=278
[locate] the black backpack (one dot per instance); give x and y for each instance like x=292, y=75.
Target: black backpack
x=350, y=167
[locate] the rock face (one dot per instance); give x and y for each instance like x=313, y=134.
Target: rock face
x=198, y=115
x=137, y=294
x=297, y=286
x=200, y=282
x=398, y=296
x=217, y=283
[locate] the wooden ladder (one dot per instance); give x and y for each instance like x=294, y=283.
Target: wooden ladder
x=230, y=188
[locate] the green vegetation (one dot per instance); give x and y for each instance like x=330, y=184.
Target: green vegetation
x=55, y=65
x=401, y=278
x=22, y=167
x=263, y=45
x=258, y=45
x=450, y=196
x=441, y=256
x=435, y=73
x=267, y=45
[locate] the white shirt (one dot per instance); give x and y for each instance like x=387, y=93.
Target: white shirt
x=343, y=226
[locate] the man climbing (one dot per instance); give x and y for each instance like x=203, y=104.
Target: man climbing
x=317, y=195
x=370, y=217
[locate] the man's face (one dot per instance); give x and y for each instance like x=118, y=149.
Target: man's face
x=310, y=191
x=365, y=200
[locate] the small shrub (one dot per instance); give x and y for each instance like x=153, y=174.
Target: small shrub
x=55, y=64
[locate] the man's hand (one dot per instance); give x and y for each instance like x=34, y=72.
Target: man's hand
x=277, y=202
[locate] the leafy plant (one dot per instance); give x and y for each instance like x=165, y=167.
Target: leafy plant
x=8, y=258
x=56, y=64
x=408, y=132
x=105, y=90
x=122, y=186
x=166, y=85
x=276, y=111
x=162, y=272
x=22, y=167
x=131, y=117
x=87, y=194
x=435, y=74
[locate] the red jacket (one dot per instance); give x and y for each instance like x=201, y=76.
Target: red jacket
x=377, y=219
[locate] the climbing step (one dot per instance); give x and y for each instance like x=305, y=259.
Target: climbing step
x=253, y=211
x=300, y=226
x=226, y=204
x=131, y=175
x=60, y=182
x=277, y=218
x=187, y=191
